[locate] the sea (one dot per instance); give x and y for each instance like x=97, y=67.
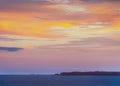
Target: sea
x=55, y=80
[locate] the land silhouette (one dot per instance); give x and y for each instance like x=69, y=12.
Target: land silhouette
x=94, y=73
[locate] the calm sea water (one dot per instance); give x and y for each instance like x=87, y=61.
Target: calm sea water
x=47, y=80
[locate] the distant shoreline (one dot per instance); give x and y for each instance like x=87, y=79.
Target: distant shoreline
x=96, y=73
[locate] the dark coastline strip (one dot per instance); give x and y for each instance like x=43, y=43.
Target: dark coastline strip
x=89, y=74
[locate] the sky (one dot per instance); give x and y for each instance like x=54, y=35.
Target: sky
x=52, y=36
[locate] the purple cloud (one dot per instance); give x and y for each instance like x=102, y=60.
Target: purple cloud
x=10, y=49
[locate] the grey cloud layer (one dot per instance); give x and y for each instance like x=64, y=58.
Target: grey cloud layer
x=12, y=2
x=99, y=41
x=17, y=5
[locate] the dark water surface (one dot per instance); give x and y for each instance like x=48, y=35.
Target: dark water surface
x=51, y=80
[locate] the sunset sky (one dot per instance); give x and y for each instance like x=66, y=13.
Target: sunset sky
x=52, y=36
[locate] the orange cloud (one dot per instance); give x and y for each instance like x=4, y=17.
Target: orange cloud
x=32, y=28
